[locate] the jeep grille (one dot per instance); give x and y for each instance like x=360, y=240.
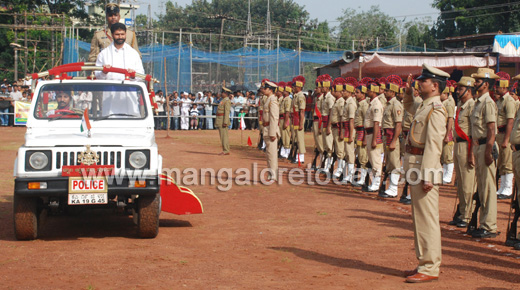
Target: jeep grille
x=105, y=158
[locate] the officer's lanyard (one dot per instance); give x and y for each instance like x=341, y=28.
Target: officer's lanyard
x=106, y=33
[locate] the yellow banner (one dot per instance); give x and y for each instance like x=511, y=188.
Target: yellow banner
x=21, y=112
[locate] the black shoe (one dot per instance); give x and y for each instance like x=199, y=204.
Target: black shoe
x=481, y=233
x=384, y=195
x=512, y=242
x=517, y=246
x=405, y=200
x=455, y=222
x=462, y=224
x=503, y=196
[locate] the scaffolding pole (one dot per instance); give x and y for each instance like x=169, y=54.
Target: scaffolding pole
x=179, y=62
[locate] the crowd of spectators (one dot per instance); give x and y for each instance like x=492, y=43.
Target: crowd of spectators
x=197, y=111
x=9, y=93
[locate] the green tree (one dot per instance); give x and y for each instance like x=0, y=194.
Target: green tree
x=366, y=28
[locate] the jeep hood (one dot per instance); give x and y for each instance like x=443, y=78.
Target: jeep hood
x=132, y=137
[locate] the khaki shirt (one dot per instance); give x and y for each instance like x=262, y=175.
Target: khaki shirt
x=393, y=114
x=337, y=111
x=374, y=113
x=485, y=112
x=285, y=105
x=464, y=120
x=319, y=100
x=223, y=109
x=506, y=106
x=383, y=100
x=299, y=102
x=327, y=104
x=407, y=118
x=361, y=111
x=103, y=38
x=349, y=110
x=271, y=115
x=449, y=104
x=515, y=133
x=427, y=131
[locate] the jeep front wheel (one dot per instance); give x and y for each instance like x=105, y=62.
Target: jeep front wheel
x=148, y=216
x=25, y=217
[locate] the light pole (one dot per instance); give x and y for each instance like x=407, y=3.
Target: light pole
x=15, y=47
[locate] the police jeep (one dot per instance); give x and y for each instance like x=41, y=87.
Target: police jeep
x=95, y=150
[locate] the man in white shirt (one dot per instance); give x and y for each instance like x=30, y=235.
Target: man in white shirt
x=120, y=55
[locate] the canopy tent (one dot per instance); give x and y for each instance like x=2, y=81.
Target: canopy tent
x=381, y=64
x=508, y=46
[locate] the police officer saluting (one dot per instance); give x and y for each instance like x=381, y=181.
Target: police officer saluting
x=422, y=159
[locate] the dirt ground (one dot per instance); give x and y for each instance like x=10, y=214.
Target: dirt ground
x=250, y=237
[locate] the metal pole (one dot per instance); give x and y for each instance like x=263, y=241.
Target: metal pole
x=179, y=60
x=209, y=80
x=26, y=50
x=15, y=50
x=277, y=54
x=258, y=61
x=191, y=64
x=220, y=47
x=299, y=57
x=377, y=43
x=167, y=100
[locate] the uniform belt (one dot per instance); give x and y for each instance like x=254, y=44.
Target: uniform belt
x=414, y=150
x=359, y=128
x=219, y=115
x=459, y=140
x=335, y=125
x=282, y=116
x=266, y=124
x=369, y=131
x=502, y=129
x=482, y=141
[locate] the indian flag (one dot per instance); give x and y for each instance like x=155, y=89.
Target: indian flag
x=85, y=122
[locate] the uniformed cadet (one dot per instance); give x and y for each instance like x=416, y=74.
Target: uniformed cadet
x=407, y=122
x=422, y=159
x=103, y=38
x=372, y=123
x=506, y=105
x=261, y=101
x=514, y=94
x=222, y=120
x=515, y=144
x=326, y=132
x=298, y=116
x=382, y=87
x=361, y=144
x=463, y=155
x=483, y=128
x=271, y=129
x=447, y=150
x=335, y=124
x=392, y=121
x=284, y=102
x=349, y=131
x=316, y=125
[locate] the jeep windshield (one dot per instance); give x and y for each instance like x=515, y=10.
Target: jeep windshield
x=102, y=101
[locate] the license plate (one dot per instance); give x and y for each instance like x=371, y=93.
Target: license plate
x=87, y=191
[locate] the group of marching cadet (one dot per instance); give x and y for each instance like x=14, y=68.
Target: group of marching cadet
x=361, y=127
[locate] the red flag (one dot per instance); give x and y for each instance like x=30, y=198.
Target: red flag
x=249, y=142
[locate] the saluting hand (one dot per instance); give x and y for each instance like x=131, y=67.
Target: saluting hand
x=408, y=89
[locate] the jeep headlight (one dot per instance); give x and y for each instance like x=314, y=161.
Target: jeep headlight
x=137, y=159
x=37, y=160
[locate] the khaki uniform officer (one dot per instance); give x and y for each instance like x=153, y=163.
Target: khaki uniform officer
x=423, y=167
x=447, y=150
x=326, y=133
x=271, y=129
x=103, y=38
x=373, y=118
x=483, y=128
x=506, y=114
x=285, y=109
x=261, y=101
x=515, y=144
x=349, y=114
x=464, y=158
x=392, y=120
x=336, y=124
x=222, y=120
x=298, y=115
x=361, y=145
x=316, y=124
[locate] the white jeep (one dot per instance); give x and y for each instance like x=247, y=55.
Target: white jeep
x=95, y=150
